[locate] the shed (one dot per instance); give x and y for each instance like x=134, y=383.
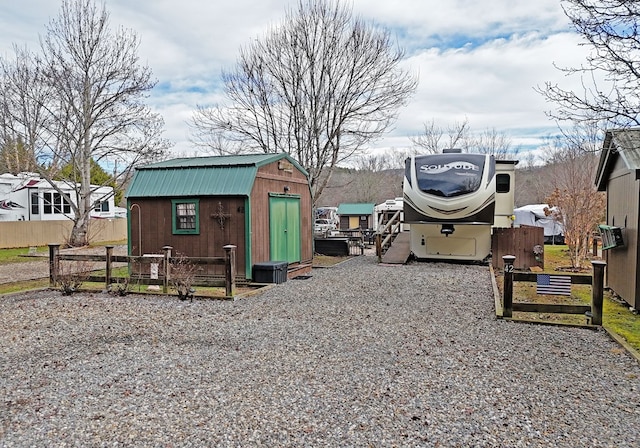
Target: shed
x=261, y=203
x=356, y=216
x=619, y=175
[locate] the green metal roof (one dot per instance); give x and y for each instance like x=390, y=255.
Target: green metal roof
x=201, y=176
x=356, y=209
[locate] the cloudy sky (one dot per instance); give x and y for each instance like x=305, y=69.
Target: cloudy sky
x=479, y=60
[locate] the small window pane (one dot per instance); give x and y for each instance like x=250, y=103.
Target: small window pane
x=48, y=199
x=186, y=216
x=57, y=203
x=35, y=204
x=503, y=183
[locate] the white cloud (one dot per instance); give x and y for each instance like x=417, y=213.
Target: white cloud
x=502, y=50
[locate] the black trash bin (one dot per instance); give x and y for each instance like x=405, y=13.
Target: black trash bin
x=270, y=272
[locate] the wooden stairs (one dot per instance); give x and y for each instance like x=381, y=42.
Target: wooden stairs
x=399, y=251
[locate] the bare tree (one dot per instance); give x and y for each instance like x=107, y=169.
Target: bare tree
x=23, y=117
x=15, y=157
x=570, y=171
x=374, y=179
x=90, y=87
x=435, y=138
x=490, y=141
x=319, y=87
x=610, y=77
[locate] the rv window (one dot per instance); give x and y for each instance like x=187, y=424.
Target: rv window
x=186, y=218
x=57, y=203
x=35, y=204
x=449, y=175
x=102, y=206
x=503, y=183
x=48, y=201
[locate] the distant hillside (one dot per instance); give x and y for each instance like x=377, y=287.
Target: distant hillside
x=349, y=185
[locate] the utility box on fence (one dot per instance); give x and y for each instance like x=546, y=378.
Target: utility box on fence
x=270, y=272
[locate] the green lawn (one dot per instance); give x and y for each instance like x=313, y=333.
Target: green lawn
x=18, y=255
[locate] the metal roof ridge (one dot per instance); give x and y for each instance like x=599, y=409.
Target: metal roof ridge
x=255, y=159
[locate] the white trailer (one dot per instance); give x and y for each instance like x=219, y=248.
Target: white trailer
x=385, y=211
x=451, y=201
x=28, y=197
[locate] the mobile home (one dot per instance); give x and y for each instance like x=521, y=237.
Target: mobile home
x=28, y=197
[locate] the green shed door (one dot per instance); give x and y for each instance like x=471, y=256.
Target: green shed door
x=284, y=228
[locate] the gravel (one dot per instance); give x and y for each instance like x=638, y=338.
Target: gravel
x=361, y=354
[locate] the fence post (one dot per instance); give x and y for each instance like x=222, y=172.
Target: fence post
x=167, y=268
x=379, y=246
x=507, y=300
x=107, y=275
x=597, y=291
x=54, y=263
x=230, y=270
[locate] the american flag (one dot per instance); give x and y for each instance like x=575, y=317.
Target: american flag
x=553, y=284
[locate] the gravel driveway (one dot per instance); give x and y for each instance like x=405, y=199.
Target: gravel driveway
x=358, y=355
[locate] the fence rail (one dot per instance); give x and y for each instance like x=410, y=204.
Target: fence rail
x=228, y=261
x=593, y=311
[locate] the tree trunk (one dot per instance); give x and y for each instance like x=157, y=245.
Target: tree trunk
x=80, y=233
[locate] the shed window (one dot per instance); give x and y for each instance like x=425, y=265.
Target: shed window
x=186, y=216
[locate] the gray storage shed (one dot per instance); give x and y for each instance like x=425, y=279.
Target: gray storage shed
x=619, y=175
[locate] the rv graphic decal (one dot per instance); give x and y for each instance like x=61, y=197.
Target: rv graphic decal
x=9, y=205
x=443, y=168
x=31, y=183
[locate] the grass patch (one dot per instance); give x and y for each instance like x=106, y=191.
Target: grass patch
x=9, y=288
x=324, y=261
x=24, y=254
x=617, y=317
x=18, y=255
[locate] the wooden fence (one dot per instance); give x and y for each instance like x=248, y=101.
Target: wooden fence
x=165, y=274
x=41, y=233
x=525, y=242
x=593, y=311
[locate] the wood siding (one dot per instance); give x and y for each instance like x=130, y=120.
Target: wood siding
x=272, y=179
x=623, y=200
x=517, y=241
x=156, y=230
x=352, y=222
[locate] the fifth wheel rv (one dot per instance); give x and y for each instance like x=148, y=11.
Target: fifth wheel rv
x=27, y=197
x=452, y=200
